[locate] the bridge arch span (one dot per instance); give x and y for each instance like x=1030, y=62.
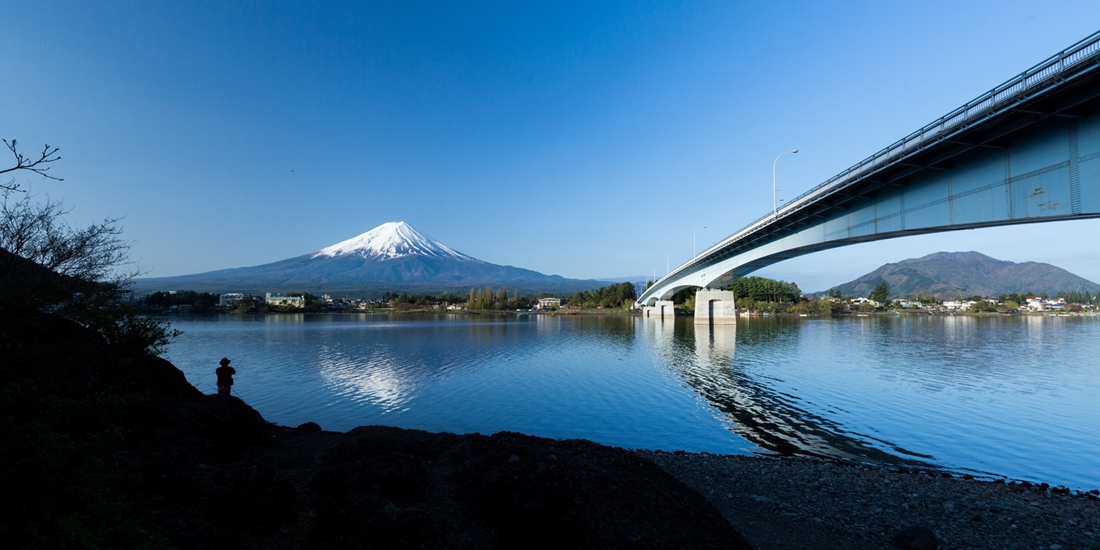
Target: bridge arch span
x=1027, y=151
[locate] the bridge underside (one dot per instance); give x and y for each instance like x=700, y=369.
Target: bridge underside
x=1050, y=172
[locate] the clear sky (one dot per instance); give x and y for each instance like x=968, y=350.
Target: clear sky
x=586, y=139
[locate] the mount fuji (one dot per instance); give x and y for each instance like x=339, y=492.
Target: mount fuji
x=390, y=257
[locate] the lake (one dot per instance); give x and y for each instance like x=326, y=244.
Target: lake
x=993, y=396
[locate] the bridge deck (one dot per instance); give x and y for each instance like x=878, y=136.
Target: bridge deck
x=1064, y=87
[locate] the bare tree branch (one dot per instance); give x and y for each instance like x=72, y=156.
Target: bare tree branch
x=49, y=154
x=80, y=273
x=37, y=232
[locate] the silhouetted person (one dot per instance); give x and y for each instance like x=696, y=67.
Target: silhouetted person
x=225, y=377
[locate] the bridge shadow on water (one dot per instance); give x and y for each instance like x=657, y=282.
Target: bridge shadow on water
x=780, y=424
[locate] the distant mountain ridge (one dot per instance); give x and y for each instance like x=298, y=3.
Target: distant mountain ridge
x=948, y=275
x=391, y=257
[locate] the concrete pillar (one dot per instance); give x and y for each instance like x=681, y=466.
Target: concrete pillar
x=660, y=309
x=715, y=307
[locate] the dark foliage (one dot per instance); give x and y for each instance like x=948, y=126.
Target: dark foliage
x=199, y=302
x=762, y=289
x=79, y=273
x=881, y=293
x=501, y=298
x=612, y=296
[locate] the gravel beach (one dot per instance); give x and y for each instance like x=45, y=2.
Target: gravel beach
x=790, y=503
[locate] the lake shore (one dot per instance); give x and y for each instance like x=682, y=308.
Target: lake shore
x=797, y=503
x=124, y=452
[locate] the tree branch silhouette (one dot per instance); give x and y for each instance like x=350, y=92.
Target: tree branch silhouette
x=49, y=154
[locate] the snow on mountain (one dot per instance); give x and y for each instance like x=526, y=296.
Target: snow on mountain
x=390, y=257
x=389, y=241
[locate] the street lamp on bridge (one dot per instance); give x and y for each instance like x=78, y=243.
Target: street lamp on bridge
x=667, y=258
x=693, y=253
x=775, y=203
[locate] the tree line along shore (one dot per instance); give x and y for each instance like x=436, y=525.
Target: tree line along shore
x=753, y=295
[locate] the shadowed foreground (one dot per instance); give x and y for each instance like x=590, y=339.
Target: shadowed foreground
x=109, y=451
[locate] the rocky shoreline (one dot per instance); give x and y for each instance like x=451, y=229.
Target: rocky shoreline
x=789, y=503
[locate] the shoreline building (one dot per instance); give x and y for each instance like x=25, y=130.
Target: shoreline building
x=284, y=301
x=230, y=299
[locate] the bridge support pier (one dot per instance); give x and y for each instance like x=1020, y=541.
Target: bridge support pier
x=661, y=309
x=715, y=307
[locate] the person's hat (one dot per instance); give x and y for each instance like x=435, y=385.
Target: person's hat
x=225, y=361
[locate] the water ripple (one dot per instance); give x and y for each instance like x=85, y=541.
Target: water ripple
x=1001, y=396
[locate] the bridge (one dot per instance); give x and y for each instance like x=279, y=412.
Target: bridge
x=1026, y=151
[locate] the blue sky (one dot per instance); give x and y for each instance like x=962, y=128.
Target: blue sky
x=586, y=139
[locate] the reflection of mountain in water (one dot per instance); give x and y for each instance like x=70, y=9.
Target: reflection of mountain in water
x=703, y=357
x=377, y=377
x=386, y=364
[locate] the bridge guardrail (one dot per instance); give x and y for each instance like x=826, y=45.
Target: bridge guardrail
x=999, y=98
x=1010, y=90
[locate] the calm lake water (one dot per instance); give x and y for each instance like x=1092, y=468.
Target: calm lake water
x=1015, y=397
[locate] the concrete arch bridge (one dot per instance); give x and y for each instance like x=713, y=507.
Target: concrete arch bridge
x=1026, y=151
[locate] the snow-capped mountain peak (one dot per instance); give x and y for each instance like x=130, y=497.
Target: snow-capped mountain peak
x=391, y=240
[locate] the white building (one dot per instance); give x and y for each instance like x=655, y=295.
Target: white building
x=1035, y=303
x=549, y=303
x=861, y=300
x=285, y=301
x=958, y=305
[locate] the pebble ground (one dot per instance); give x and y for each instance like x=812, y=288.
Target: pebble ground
x=796, y=503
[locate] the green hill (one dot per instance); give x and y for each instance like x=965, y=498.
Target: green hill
x=948, y=275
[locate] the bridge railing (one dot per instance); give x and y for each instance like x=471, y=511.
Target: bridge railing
x=998, y=99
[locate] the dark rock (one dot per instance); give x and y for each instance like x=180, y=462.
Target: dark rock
x=406, y=488
x=310, y=427
x=154, y=375
x=916, y=537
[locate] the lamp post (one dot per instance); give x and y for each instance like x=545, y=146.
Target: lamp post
x=693, y=253
x=667, y=258
x=775, y=203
